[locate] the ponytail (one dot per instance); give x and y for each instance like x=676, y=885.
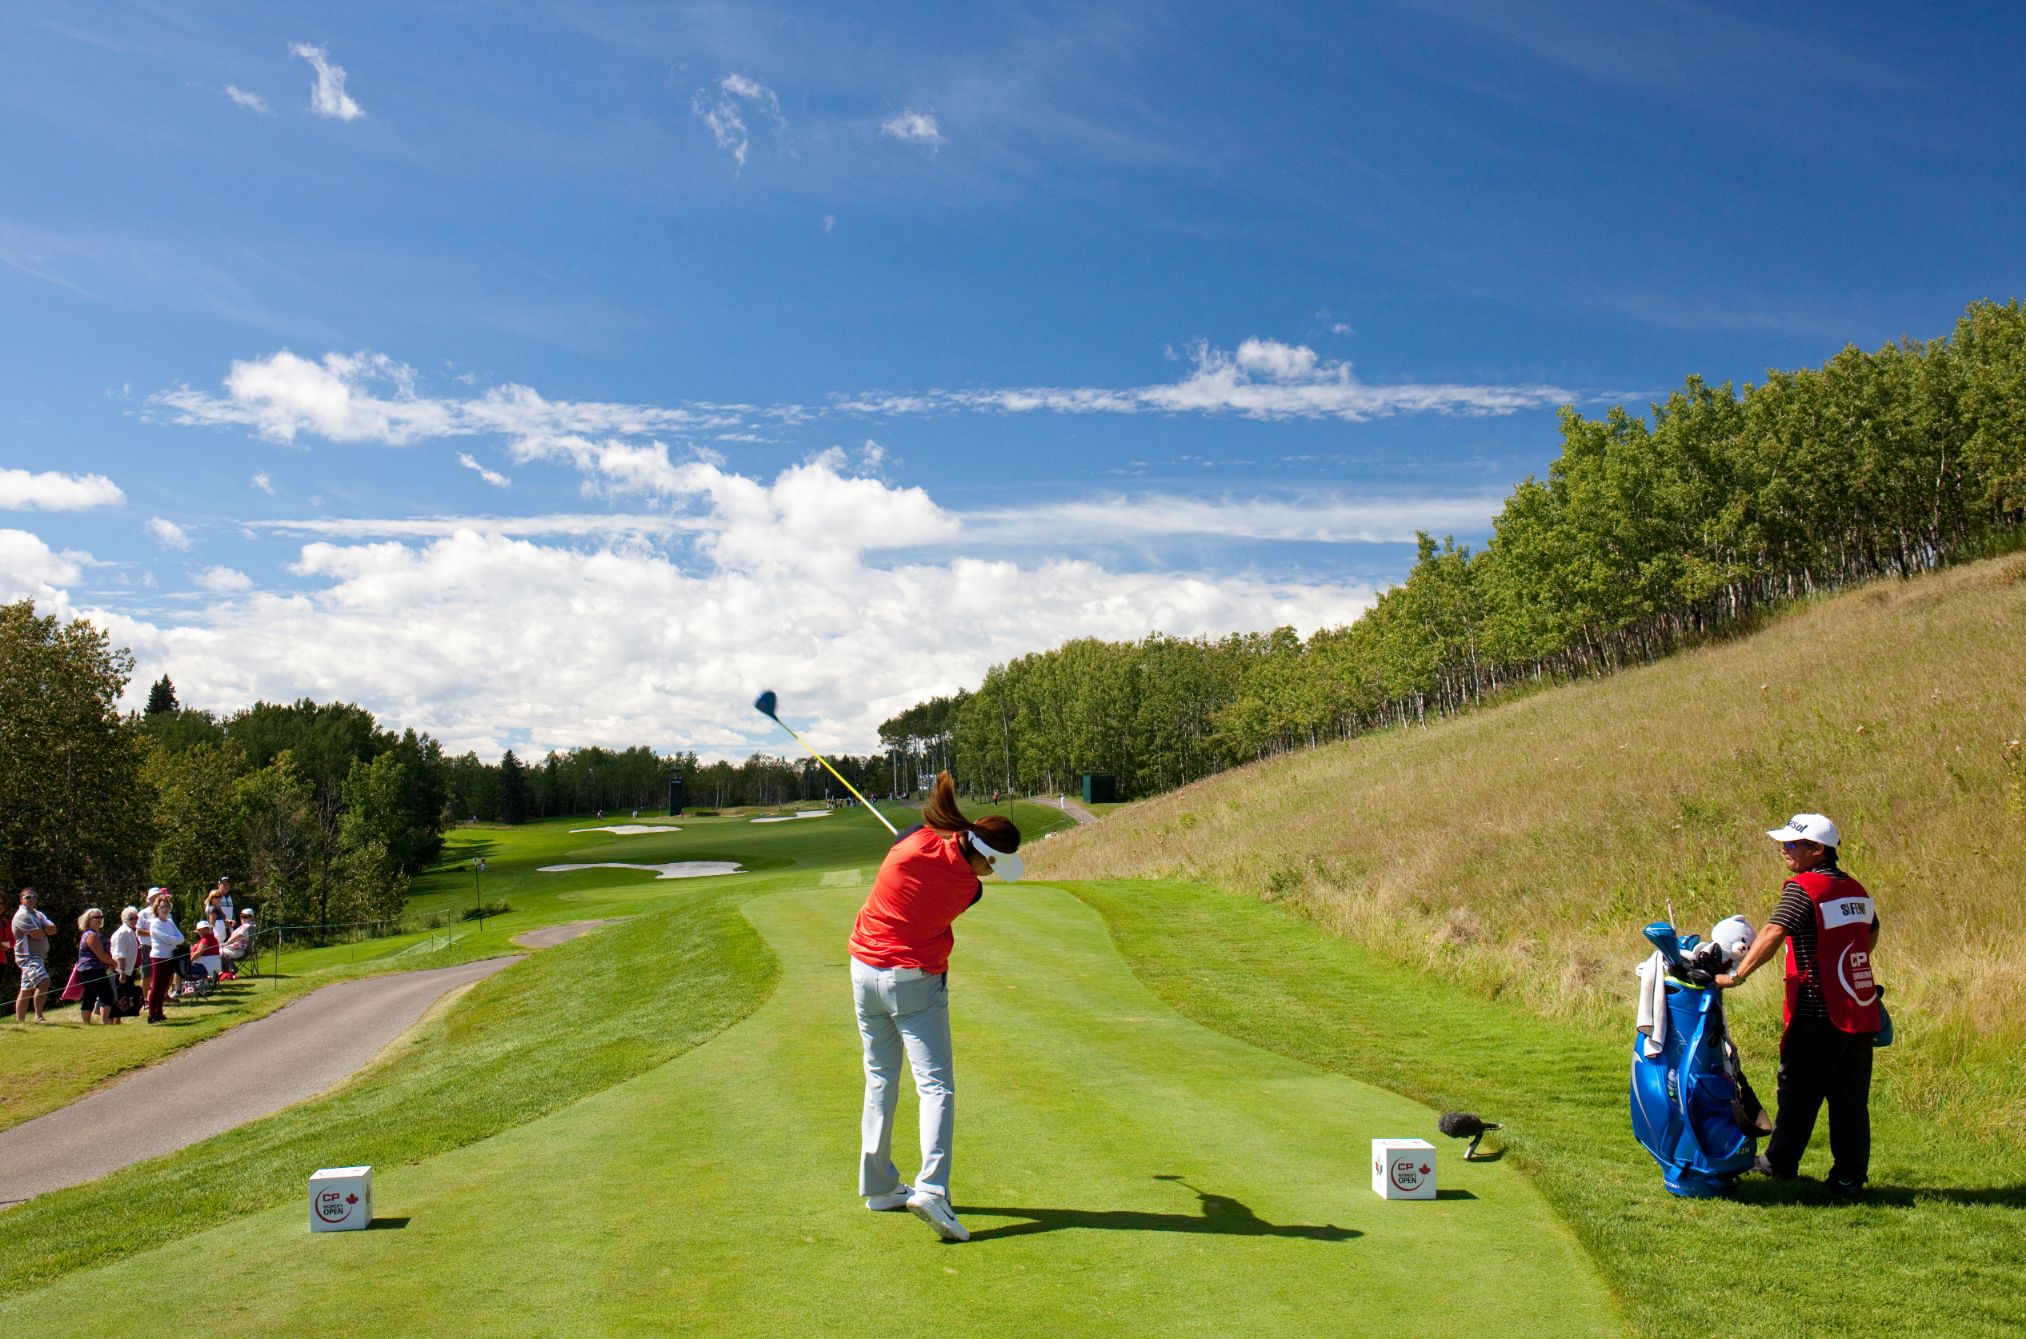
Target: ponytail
x=942, y=814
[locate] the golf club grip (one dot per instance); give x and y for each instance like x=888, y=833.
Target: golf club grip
x=839, y=775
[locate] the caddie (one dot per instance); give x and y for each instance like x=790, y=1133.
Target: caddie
x=1832, y=1015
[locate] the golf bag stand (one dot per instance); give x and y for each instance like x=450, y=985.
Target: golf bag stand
x=1682, y=1099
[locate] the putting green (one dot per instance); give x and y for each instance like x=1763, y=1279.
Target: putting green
x=1122, y=1170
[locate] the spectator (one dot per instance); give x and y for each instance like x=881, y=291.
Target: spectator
x=204, y=955
x=31, y=953
x=214, y=905
x=126, y=946
x=164, y=941
x=238, y=946
x=94, y=969
x=224, y=891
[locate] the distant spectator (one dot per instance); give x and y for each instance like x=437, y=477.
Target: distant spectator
x=31, y=954
x=204, y=956
x=238, y=946
x=126, y=946
x=214, y=905
x=164, y=942
x=225, y=906
x=95, y=969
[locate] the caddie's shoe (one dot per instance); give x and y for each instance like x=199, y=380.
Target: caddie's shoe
x=934, y=1210
x=1765, y=1168
x=1844, y=1190
x=892, y=1199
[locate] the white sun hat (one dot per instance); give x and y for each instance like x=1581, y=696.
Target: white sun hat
x=1807, y=828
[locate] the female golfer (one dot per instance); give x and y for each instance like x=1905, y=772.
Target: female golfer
x=900, y=957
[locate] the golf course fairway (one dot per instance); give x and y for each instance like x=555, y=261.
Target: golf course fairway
x=1122, y=1170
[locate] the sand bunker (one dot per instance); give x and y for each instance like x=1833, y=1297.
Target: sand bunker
x=629, y=829
x=790, y=818
x=678, y=869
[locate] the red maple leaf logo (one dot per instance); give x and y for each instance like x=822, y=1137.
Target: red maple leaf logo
x=1424, y=1169
x=354, y=1199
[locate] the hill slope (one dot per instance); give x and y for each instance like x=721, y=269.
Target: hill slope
x=1519, y=849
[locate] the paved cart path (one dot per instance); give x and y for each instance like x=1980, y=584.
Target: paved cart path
x=256, y=1068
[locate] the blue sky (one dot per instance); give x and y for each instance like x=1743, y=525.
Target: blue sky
x=543, y=375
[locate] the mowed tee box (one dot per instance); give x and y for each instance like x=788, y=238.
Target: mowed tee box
x=1403, y=1169
x=341, y=1199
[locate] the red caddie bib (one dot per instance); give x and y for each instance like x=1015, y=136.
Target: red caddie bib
x=1843, y=916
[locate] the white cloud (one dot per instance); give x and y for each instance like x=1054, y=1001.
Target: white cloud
x=1341, y=328
x=1308, y=519
x=830, y=223
x=263, y=483
x=774, y=590
x=493, y=477
x=913, y=127
x=31, y=570
x=223, y=580
x=167, y=533
x=1263, y=379
x=724, y=112
x=369, y=397
x=253, y=102
x=327, y=97
x=50, y=490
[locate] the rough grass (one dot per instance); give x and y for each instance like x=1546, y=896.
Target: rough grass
x=1937, y=1248
x=1519, y=849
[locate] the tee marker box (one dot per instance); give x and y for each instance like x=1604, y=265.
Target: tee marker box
x=1403, y=1169
x=341, y=1199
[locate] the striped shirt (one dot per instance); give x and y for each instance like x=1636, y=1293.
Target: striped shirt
x=1796, y=915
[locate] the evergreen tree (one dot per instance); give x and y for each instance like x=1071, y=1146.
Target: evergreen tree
x=161, y=697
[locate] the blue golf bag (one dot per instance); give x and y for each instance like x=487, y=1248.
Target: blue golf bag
x=1686, y=1102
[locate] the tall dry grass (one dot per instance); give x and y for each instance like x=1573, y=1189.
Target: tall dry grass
x=1520, y=849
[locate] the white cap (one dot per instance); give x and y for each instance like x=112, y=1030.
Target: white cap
x=1807, y=828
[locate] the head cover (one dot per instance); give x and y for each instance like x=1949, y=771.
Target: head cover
x=1005, y=864
x=1808, y=828
x=1733, y=935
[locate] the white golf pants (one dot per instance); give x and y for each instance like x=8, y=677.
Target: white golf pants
x=902, y=1011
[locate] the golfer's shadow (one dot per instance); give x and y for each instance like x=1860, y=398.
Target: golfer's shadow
x=1221, y=1216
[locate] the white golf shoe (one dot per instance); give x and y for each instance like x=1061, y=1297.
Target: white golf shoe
x=934, y=1210
x=892, y=1199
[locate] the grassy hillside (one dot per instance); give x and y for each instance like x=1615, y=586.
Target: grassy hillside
x=1519, y=849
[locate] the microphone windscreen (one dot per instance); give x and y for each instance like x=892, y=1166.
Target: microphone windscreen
x=1459, y=1124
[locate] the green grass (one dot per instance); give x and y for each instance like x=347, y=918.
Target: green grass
x=1938, y=1248
x=1519, y=849
x=570, y=1161
x=517, y=1045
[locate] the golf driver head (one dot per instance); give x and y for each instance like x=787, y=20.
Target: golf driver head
x=767, y=704
x=1661, y=935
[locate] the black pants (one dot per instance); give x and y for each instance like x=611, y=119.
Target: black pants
x=1819, y=1062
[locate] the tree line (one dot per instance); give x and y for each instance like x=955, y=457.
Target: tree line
x=595, y=780
x=317, y=814
x=1648, y=533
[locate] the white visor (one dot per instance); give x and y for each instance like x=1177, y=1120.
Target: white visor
x=1005, y=864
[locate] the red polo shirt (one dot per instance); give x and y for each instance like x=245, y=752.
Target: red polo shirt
x=924, y=884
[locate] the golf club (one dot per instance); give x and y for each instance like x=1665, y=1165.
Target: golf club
x=767, y=704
